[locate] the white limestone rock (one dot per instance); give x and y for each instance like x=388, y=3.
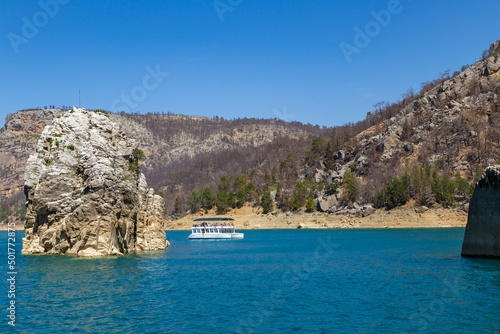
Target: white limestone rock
x=85, y=196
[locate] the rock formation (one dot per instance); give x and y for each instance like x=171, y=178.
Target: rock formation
x=482, y=234
x=85, y=194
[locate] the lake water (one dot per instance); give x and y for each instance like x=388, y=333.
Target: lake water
x=288, y=281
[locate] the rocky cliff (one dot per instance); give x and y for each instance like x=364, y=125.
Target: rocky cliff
x=453, y=123
x=482, y=234
x=85, y=194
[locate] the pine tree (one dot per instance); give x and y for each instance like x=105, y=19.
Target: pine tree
x=350, y=187
x=267, y=201
x=310, y=205
x=194, y=201
x=207, y=199
x=224, y=195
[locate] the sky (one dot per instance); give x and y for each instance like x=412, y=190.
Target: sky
x=319, y=62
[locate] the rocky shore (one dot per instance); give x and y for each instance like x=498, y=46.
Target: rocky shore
x=404, y=217
x=399, y=218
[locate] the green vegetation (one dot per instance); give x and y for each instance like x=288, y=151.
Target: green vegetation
x=101, y=112
x=298, y=199
x=353, y=166
x=444, y=189
x=331, y=189
x=21, y=211
x=207, y=199
x=194, y=201
x=427, y=186
x=243, y=189
x=71, y=147
x=350, y=186
x=225, y=198
x=138, y=154
x=394, y=194
x=267, y=201
x=4, y=212
x=310, y=204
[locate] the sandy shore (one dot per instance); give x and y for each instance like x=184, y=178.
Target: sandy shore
x=249, y=219
x=397, y=218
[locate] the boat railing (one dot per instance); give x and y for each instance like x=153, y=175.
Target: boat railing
x=212, y=226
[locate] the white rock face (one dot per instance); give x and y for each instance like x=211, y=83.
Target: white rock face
x=482, y=234
x=84, y=193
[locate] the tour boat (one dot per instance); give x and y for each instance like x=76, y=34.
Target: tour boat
x=214, y=228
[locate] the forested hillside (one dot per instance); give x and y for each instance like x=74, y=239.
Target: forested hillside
x=429, y=147
x=176, y=149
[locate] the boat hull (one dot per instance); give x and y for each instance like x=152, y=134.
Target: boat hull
x=216, y=236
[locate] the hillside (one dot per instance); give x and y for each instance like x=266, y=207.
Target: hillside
x=433, y=142
x=171, y=144
x=430, y=147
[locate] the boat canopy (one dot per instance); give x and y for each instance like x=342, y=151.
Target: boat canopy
x=212, y=219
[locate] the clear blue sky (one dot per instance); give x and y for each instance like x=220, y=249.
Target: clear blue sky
x=261, y=59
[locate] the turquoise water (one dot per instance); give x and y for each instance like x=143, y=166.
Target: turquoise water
x=304, y=281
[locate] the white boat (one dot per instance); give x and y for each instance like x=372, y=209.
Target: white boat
x=214, y=228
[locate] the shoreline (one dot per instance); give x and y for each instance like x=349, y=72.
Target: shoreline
x=380, y=219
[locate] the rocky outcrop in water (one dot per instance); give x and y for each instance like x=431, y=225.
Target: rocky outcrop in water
x=85, y=194
x=482, y=235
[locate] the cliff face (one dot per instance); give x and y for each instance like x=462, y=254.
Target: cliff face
x=482, y=235
x=17, y=141
x=84, y=193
